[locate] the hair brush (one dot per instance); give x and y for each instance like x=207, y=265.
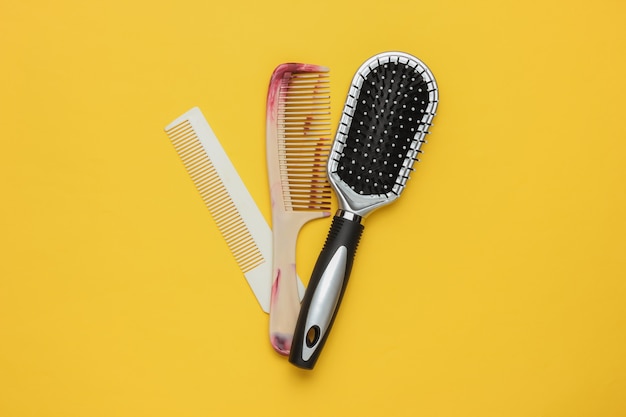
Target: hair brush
x=390, y=106
x=298, y=142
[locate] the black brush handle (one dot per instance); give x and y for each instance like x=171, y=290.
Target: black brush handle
x=325, y=289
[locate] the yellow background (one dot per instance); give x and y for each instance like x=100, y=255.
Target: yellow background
x=494, y=287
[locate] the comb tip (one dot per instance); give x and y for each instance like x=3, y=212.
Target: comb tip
x=194, y=111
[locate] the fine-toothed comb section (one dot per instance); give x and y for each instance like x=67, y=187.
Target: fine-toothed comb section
x=303, y=128
x=215, y=196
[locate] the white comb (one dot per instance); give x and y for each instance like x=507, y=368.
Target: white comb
x=238, y=218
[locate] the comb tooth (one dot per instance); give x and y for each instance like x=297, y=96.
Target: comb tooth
x=309, y=185
x=304, y=158
x=303, y=145
x=319, y=155
x=304, y=132
x=317, y=96
x=305, y=192
x=305, y=142
x=298, y=145
x=291, y=124
x=299, y=152
x=315, y=178
x=304, y=111
x=308, y=113
x=302, y=186
x=319, y=82
x=303, y=138
x=304, y=189
x=292, y=170
x=314, y=85
x=299, y=123
x=301, y=165
x=290, y=103
x=297, y=166
x=304, y=94
x=310, y=198
x=310, y=189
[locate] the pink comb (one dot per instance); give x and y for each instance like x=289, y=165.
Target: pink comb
x=298, y=143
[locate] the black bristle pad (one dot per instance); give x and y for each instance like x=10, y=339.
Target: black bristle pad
x=389, y=113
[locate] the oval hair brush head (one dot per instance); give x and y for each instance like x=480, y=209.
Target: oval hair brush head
x=389, y=108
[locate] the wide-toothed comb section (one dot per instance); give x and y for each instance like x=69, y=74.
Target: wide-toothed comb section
x=304, y=140
x=391, y=108
x=215, y=196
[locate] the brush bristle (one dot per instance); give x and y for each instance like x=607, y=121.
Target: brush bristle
x=390, y=115
x=304, y=140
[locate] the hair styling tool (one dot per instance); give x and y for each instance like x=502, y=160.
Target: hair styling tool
x=298, y=142
x=238, y=218
x=389, y=108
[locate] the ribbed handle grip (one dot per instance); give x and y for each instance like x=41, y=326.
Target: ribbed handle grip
x=325, y=291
